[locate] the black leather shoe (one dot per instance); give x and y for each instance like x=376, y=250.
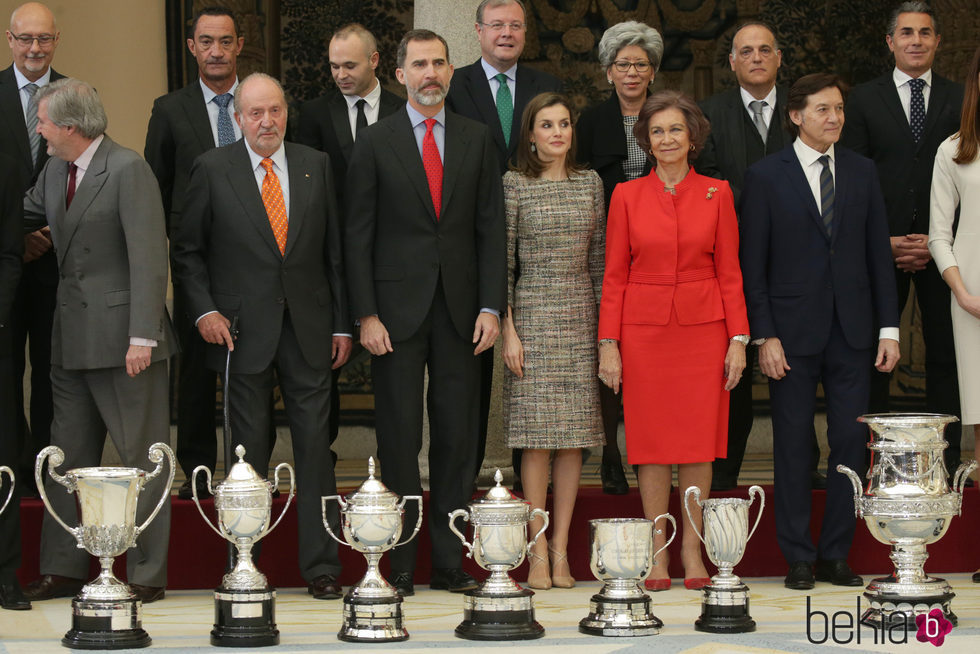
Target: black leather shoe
x=402, y=581
x=149, y=594
x=800, y=576
x=452, y=579
x=976, y=578
x=837, y=572
x=721, y=484
x=51, y=587
x=325, y=587
x=818, y=481
x=12, y=598
x=184, y=492
x=613, y=479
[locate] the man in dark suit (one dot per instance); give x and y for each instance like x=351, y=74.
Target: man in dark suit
x=112, y=335
x=330, y=124
x=183, y=125
x=33, y=39
x=899, y=120
x=494, y=91
x=259, y=242
x=426, y=264
x=818, y=281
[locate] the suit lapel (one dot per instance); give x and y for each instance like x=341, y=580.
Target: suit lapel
x=85, y=192
x=241, y=177
x=341, y=125
x=938, y=98
x=893, y=105
x=457, y=141
x=526, y=89
x=197, y=115
x=299, y=194
x=736, y=129
x=390, y=103
x=56, y=187
x=13, y=111
x=487, y=106
x=797, y=179
x=841, y=188
x=401, y=140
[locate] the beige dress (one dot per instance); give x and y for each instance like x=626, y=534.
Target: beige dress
x=555, y=252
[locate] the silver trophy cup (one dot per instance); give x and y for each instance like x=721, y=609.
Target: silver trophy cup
x=908, y=504
x=10, y=492
x=244, y=603
x=622, y=557
x=499, y=609
x=371, y=520
x=106, y=613
x=725, y=602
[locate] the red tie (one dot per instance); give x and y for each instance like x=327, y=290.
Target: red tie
x=71, y=185
x=433, y=165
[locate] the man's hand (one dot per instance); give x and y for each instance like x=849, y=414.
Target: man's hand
x=772, y=359
x=137, y=359
x=36, y=244
x=485, y=331
x=374, y=336
x=214, y=329
x=888, y=355
x=911, y=252
x=340, y=350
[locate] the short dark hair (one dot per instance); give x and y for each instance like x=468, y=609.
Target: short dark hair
x=913, y=7
x=528, y=161
x=803, y=88
x=417, y=35
x=214, y=11
x=698, y=126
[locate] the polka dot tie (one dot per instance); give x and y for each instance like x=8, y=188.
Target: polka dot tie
x=432, y=164
x=275, y=206
x=505, y=106
x=917, y=108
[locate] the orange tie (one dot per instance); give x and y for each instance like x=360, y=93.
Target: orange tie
x=275, y=206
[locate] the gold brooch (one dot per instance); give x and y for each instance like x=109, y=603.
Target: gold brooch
x=711, y=191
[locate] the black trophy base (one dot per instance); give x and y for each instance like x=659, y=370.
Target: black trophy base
x=106, y=624
x=372, y=619
x=725, y=611
x=886, y=611
x=244, y=618
x=507, y=616
x=620, y=617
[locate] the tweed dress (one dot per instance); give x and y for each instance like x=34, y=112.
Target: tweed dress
x=555, y=259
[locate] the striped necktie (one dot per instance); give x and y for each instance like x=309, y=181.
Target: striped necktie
x=826, y=194
x=31, y=119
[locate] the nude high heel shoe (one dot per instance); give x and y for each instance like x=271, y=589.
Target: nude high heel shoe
x=560, y=580
x=538, y=577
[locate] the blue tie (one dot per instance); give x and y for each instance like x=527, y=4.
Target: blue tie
x=226, y=133
x=917, y=108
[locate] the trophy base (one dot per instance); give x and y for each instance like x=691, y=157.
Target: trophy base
x=244, y=618
x=106, y=624
x=372, y=620
x=888, y=609
x=499, y=616
x=725, y=611
x=620, y=617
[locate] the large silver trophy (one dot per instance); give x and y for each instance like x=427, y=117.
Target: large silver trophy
x=371, y=519
x=244, y=603
x=621, y=557
x=106, y=612
x=907, y=504
x=499, y=609
x=725, y=523
x=10, y=493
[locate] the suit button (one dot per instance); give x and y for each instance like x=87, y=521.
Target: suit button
x=281, y=300
x=62, y=276
x=831, y=252
x=84, y=305
x=86, y=250
x=81, y=276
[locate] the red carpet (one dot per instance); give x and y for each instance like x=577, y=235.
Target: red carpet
x=197, y=555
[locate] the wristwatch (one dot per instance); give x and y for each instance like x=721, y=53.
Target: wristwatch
x=741, y=338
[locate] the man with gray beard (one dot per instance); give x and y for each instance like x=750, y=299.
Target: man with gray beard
x=425, y=257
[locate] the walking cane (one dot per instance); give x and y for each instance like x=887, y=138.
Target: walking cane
x=226, y=433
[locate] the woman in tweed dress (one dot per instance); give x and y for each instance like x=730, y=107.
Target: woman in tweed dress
x=555, y=250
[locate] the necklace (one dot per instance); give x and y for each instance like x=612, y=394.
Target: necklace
x=670, y=189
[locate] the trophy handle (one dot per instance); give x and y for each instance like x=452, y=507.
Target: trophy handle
x=547, y=521
x=959, y=479
x=756, y=491
x=292, y=493
x=695, y=492
x=671, y=520
x=207, y=473
x=856, y=483
x=461, y=513
x=56, y=458
x=10, y=493
x=418, y=523
x=156, y=454
x=323, y=512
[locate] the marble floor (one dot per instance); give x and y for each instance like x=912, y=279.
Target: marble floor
x=181, y=623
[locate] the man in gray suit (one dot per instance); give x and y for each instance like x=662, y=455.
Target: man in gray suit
x=112, y=335
x=259, y=242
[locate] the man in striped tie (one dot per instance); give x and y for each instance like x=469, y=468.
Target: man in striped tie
x=820, y=293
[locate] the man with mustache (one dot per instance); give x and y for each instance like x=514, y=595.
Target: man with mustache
x=426, y=265
x=259, y=241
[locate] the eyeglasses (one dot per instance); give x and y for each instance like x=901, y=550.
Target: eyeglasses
x=27, y=40
x=498, y=26
x=640, y=66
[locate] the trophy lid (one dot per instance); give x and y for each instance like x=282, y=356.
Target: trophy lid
x=499, y=497
x=373, y=493
x=242, y=476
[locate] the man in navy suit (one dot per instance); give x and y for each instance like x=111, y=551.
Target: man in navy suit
x=818, y=277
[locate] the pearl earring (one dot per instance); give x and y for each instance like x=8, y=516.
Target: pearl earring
x=533, y=147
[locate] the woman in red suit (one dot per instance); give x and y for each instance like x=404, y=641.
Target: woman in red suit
x=672, y=322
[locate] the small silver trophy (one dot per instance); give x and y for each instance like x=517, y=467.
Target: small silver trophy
x=244, y=603
x=10, y=493
x=371, y=519
x=725, y=602
x=621, y=557
x=908, y=504
x=106, y=613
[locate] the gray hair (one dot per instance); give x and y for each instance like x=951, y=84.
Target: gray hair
x=755, y=23
x=74, y=103
x=913, y=7
x=255, y=76
x=627, y=33
x=497, y=3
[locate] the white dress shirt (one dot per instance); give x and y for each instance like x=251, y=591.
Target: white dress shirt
x=905, y=92
x=279, y=167
x=213, y=110
x=767, y=109
x=372, y=107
